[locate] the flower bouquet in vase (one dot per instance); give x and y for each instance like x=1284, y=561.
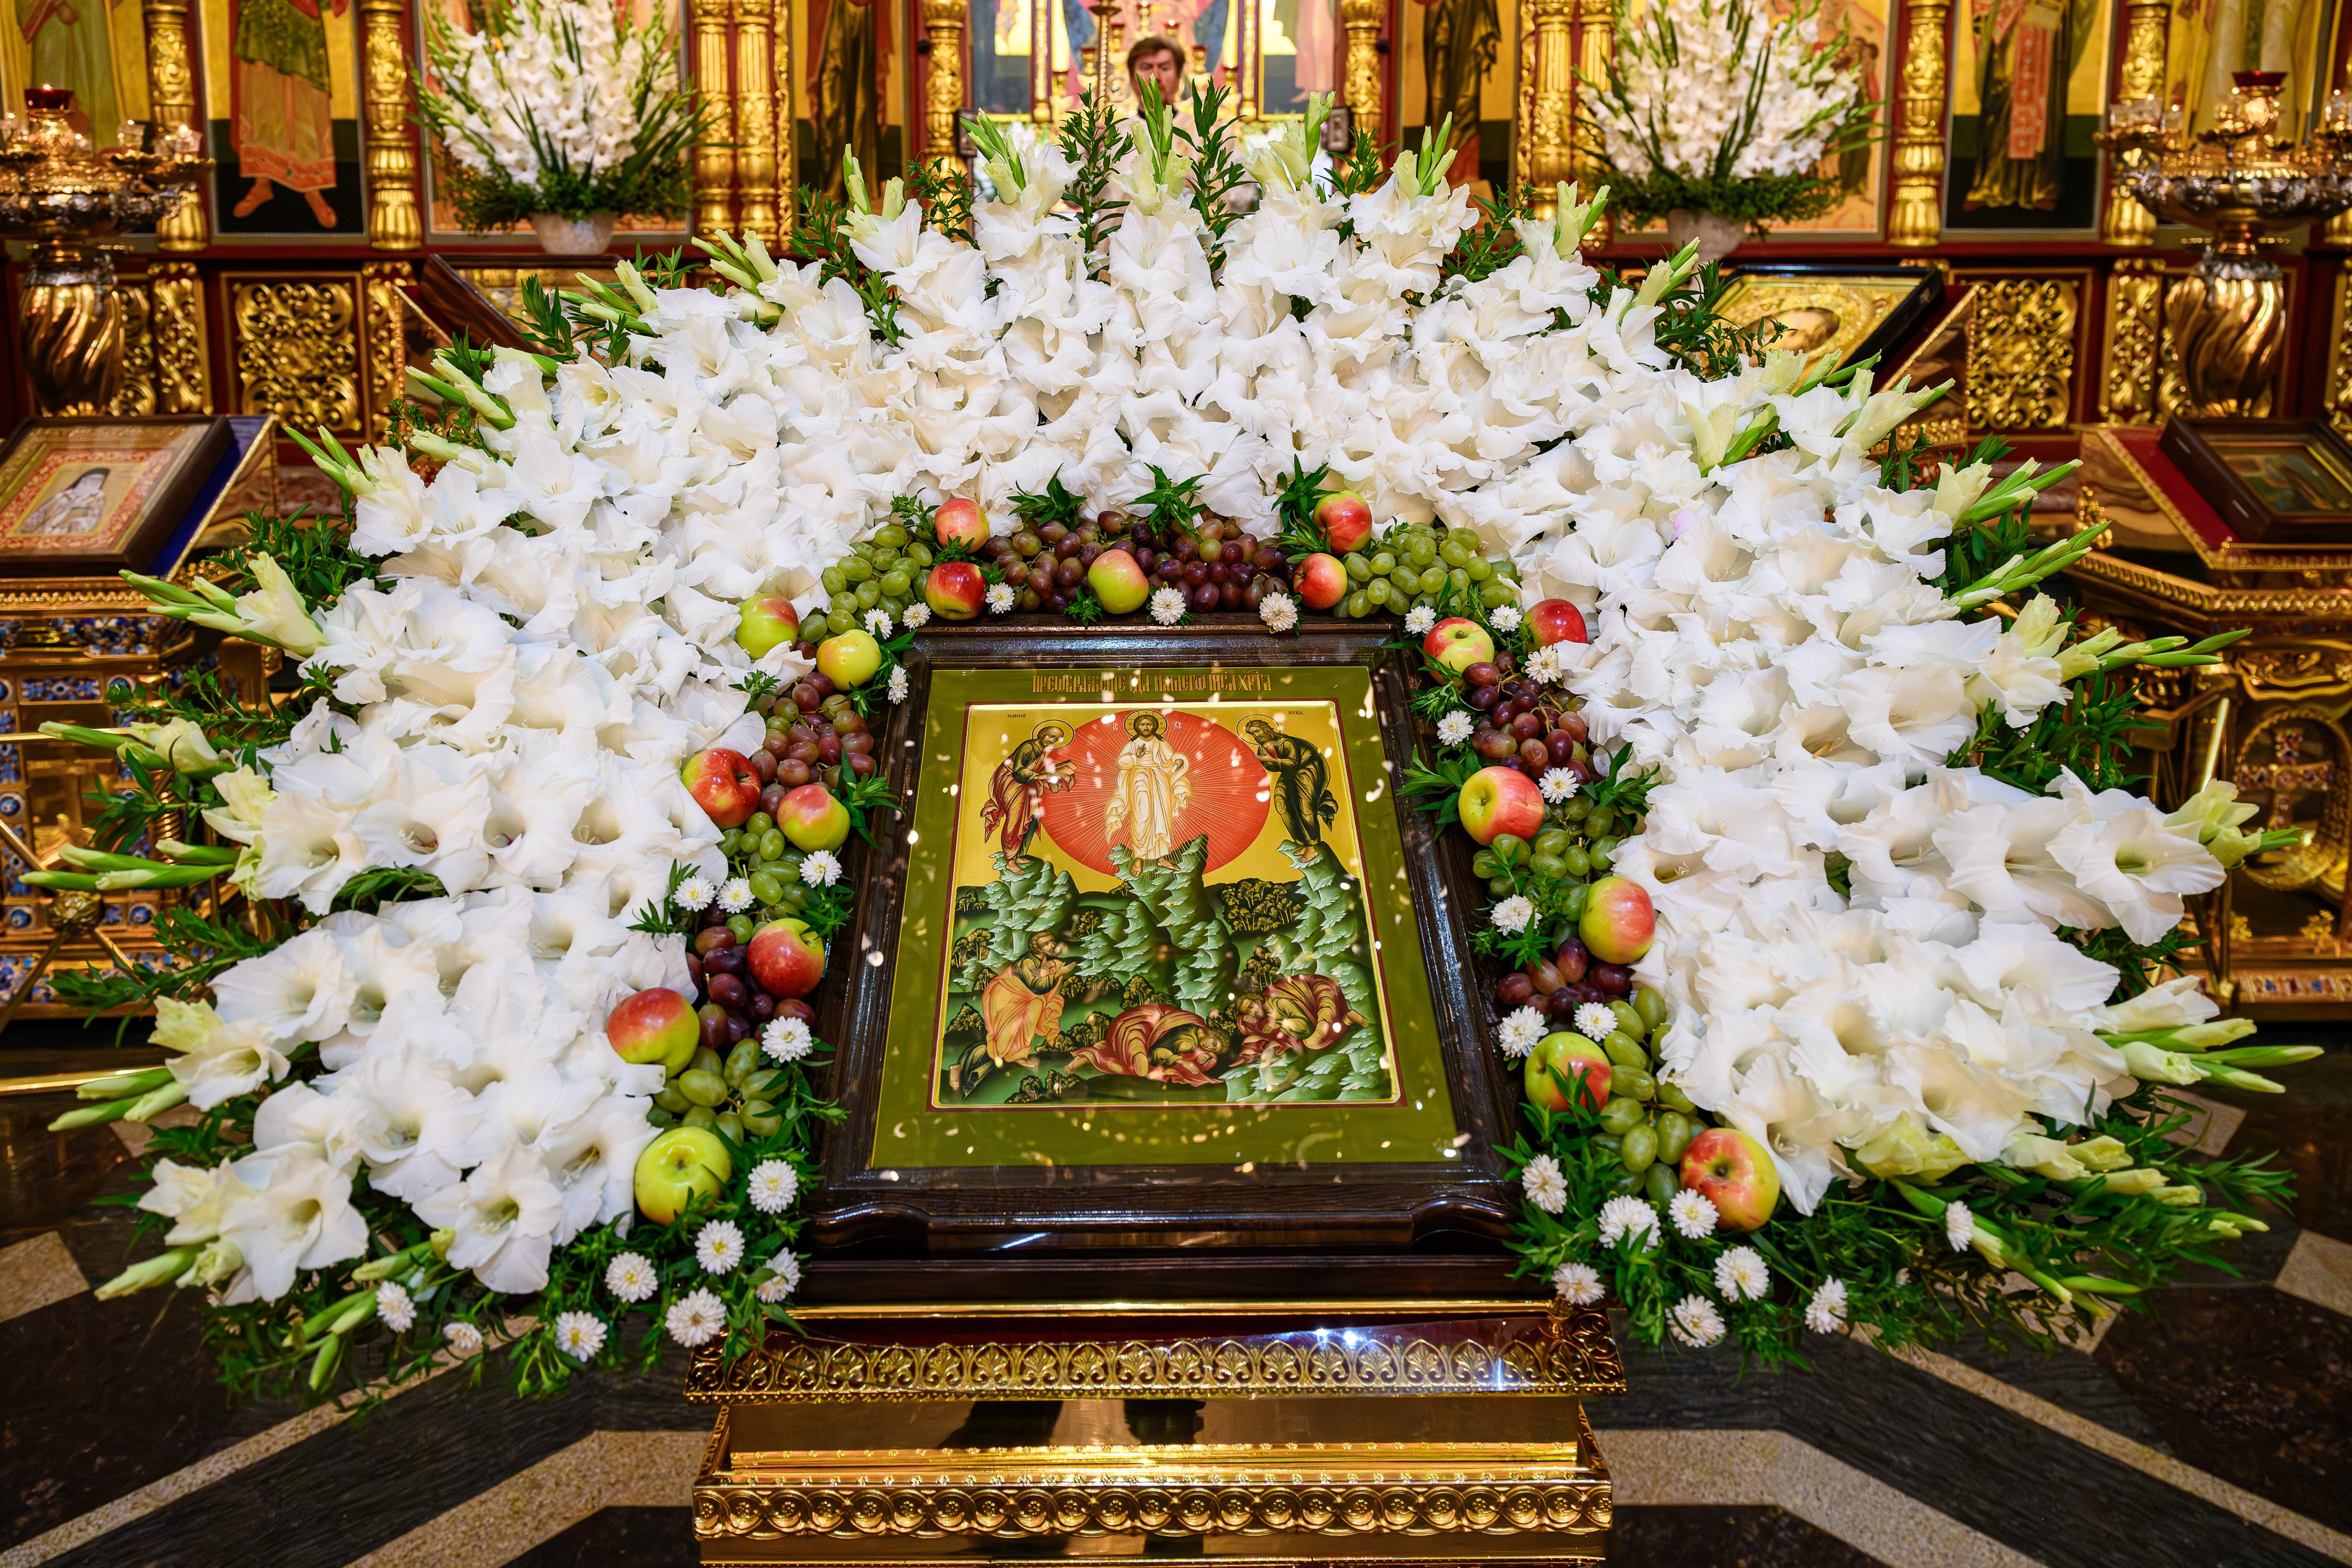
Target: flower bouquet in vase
x=1716, y=115
x=563, y=114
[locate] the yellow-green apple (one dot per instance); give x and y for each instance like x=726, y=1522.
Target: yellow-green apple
x=1457, y=642
x=1345, y=520
x=658, y=1025
x=1583, y=1064
x=1555, y=621
x=1496, y=800
x=723, y=785
x=955, y=591
x=961, y=524
x=813, y=818
x=787, y=958
x=1119, y=582
x=1732, y=1171
x=1321, y=580
x=766, y=622
x=849, y=658
x=678, y=1167
x=1619, y=922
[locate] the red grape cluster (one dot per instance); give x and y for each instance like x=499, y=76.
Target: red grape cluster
x=814, y=737
x=1558, y=983
x=1046, y=564
x=1524, y=725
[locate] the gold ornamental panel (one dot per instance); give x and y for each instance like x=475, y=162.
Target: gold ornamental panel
x=2022, y=359
x=2294, y=767
x=295, y=344
x=2135, y=341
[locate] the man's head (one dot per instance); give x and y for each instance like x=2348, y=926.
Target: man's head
x=1157, y=63
x=1144, y=727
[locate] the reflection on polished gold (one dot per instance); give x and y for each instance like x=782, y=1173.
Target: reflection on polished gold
x=394, y=221
x=69, y=324
x=1917, y=217
x=2022, y=359
x=1596, y=43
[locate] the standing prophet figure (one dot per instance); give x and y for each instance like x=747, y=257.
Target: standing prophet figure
x=1304, y=795
x=280, y=89
x=1017, y=789
x=1152, y=791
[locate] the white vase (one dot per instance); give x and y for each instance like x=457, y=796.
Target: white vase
x=573, y=236
x=1718, y=235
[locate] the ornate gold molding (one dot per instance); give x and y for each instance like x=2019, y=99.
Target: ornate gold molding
x=1917, y=216
x=714, y=158
x=135, y=397
x=1361, y=21
x=296, y=349
x=787, y=121
x=1548, y=130
x=172, y=101
x=395, y=222
x=2128, y=394
x=387, y=341
x=2187, y=597
x=2340, y=355
x=944, y=24
x=2145, y=22
x=2022, y=357
x=755, y=119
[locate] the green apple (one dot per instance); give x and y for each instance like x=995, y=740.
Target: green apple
x=678, y=1167
x=849, y=658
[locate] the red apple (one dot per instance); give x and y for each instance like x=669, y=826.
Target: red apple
x=849, y=658
x=1119, y=582
x=766, y=622
x=723, y=785
x=1733, y=1172
x=1345, y=520
x=1321, y=580
x=1458, y=642
x=658, y=1025
x=813, y=818
x=1619, y=923
x=960, y=523
x=955, y=591
x=1574, y=1057
x=786, y=959
x=1555, y=621
x=1497, y=801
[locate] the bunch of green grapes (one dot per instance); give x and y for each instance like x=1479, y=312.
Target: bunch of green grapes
x=1647, y=1124
x=885, y=572
x=1411, y=564
x=730, y=1094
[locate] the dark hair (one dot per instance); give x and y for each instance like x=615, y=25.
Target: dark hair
x=1143, y=48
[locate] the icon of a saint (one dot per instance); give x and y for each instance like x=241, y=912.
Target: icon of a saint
x=78, y=508
x=1152, y=791
x=1304, y=787
x=285, y=127
x=1017, y=789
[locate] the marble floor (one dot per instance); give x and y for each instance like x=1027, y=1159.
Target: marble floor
x=2214, y=1428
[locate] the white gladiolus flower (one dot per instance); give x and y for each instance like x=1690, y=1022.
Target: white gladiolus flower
x=505, y=1214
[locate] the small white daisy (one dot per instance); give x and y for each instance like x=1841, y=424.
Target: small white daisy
x=774, y=1184
x=1595, y=1022
x=463, y=1337
x=1740, y=1275
x=878, y=622
x=1902, y=1276
x=786, y=1039
x=1542, y=666
x=736, y=896
x=1693, y=1213
x=579, y=1335
x=631, y=1277
x=719, y=1246
x=1546, y=1188
x=1960, y=1226
x=697, y=1319
x=1578, y=1283
x=821, y=869
x=1455, y=728
x=1625, y=1217
x=1504, y=617
x=918, y=614
x=1000, y=598
x=1278, y=611
x=1557, y=785
x=1520, y=1032
x=896, y=690
x=1419, y=619
x=780, y=1280
x=1511, y=915
x=1168, y=606
x=394, y=1305
x=694, y=893
x=1825, y=1313
x=1696, y=1324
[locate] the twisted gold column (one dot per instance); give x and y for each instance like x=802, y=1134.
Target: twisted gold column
x=172, y=101
x=2227, y=324
x=714, y=158
x=944, y=24
x=393, y=221
x=755, y=119
x=70, y=328
x=1550, y=130
x=1361, y=21
x=1918, y=218
x=2145, y=22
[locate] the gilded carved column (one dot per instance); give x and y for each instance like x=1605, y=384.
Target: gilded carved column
x=1918, y=218
x=714, y=158
x=788, y=125
x=172, y=101
x=2145, y=22
x=1361, y=21
x=176, y=326
x=943, y=24
x=1596, y=42
x=1550, y=131
x=2128, y=392
x=393, y=222
x=1523, y=98
x=384, y=313
x=1246, y=61
x=755, y=119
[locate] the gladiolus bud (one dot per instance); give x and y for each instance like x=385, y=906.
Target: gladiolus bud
x=159, y=1269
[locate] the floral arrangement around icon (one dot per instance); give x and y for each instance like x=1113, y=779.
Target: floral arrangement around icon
x=1828, y=947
